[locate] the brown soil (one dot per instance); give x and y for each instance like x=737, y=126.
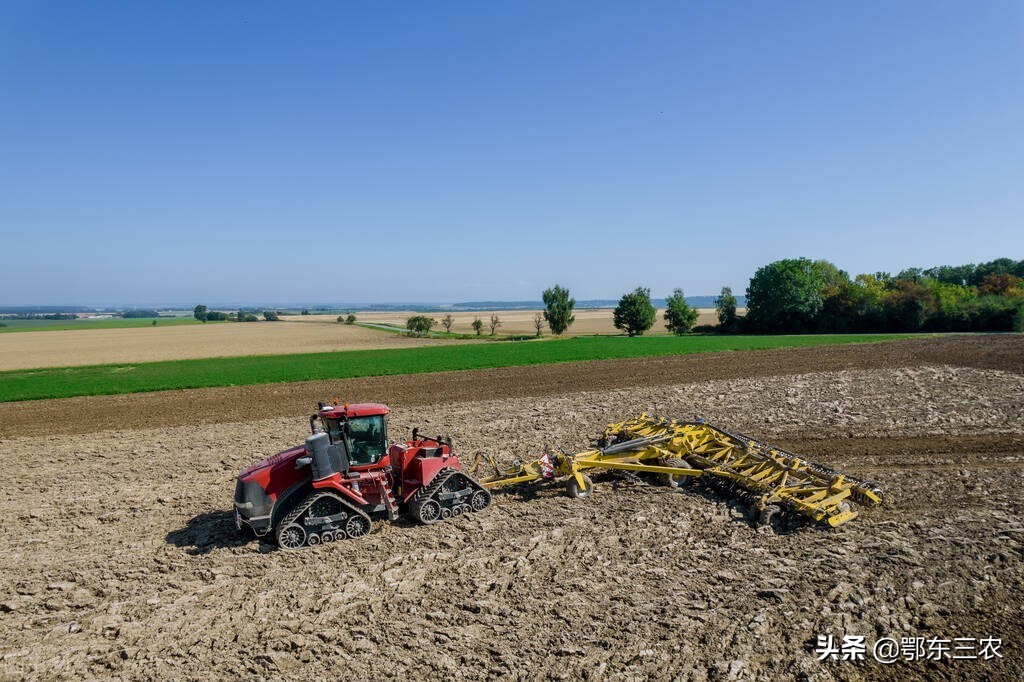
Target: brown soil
x=120, y=557
x=213, y=405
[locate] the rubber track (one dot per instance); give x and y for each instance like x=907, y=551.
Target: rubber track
x=308, y=502
x=424, y=494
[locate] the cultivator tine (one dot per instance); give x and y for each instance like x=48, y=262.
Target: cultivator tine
x=479, y=460
x=767, y=477
x=778, y=477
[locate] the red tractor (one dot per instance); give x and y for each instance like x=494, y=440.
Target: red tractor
x=346, y=476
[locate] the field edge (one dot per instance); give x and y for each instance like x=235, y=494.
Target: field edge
x=122, y=378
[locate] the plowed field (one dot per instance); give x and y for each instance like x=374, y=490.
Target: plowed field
x=120, y=557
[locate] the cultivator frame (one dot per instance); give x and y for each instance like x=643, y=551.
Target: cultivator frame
x=770, y=479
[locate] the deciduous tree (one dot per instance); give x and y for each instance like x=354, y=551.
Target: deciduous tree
x=725, y=304
x=785, y=295
x=420, y=325
x=680, y=316
x=558, y=307
x=635, y=313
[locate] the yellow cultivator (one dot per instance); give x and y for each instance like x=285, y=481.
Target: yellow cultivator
x=770, y=479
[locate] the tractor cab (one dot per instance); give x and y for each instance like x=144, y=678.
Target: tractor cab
x=363, y=428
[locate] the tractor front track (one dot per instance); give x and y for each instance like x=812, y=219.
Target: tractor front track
x=321, y=517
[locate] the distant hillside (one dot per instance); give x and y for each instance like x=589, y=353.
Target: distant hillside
x=42, y=309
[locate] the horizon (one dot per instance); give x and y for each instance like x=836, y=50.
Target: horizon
x=322, y=305
x=451, y=152
x=440, y=304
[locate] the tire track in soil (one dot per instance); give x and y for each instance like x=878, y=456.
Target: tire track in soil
x=976, y=451
x=89, y=414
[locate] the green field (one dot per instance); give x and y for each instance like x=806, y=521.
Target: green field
x=112, y=323
x=266, y=369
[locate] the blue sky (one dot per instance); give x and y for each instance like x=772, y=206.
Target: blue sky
x=155, y=152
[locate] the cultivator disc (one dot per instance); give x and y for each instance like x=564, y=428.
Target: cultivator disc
x=773, y=482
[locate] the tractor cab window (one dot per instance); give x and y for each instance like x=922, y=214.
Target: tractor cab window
x=366, y=438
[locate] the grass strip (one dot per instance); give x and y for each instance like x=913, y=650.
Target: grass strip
x=9, y=326
x=33, y=384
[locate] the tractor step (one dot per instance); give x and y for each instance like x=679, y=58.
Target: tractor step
x=390, y=504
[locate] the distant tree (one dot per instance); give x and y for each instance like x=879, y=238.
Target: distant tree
x=950, y=307
x=999, y=284
x=910, y=274
x=558, y=306
x=951, y=274
x=200, y=313
x=907, y=305
x=216, y=316
x=785, y=295
x=350, y=319
x=271, y=316
x=448, y=321
x=868, y=291
x=144, y=313
x=477, y=325
x=831, y=276
x=305, y=311
x=635, y=313
x=538, y=322
x=997, y=267
x=679, y=315
x=38, y=316
x=340, y=319
x=154, y=323
x=725, y=304
x=494, y=323
x=420, y=325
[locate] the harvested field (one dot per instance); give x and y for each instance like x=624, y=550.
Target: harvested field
x=131, y=566
x=588, y=321
x=68, y=348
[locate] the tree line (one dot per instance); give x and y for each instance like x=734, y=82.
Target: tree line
x=204, y=314
x=420, y=325
x=801, y=295
x=795, y=295
x=635, y=314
